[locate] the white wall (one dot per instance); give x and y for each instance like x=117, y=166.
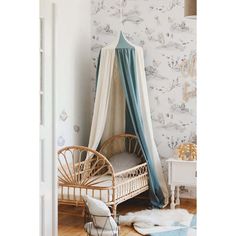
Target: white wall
x=73, y=84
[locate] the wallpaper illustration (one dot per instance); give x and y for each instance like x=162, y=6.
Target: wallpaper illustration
x=169, y=43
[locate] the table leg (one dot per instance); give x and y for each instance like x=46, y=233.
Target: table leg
x=172, y=204
x=177, y=196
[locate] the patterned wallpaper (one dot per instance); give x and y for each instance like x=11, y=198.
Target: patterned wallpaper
x=169, y=43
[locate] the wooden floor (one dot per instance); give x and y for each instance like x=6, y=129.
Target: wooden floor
x=71, y=224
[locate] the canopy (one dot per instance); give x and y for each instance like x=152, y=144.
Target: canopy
x=122, y=106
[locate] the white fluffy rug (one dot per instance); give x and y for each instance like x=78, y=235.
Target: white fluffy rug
x=156, y=221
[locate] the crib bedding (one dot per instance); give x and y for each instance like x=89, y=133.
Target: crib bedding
x=124, y=161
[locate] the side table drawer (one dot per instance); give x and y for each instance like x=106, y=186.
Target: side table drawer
x=184, y=173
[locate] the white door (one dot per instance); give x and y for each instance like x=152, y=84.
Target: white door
x=48, y=198
x=65, y=85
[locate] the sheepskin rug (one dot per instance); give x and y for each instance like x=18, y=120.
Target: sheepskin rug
x=157, y=217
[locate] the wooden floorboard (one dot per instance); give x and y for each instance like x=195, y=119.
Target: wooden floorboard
x=70, y=222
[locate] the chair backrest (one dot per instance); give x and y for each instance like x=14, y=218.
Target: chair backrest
x=121, y=143
x=79, y=165
x=187, y=151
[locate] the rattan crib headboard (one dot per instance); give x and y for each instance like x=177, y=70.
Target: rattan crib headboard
x=121, y=143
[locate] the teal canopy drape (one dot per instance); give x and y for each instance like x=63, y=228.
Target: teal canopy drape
x=126, y=63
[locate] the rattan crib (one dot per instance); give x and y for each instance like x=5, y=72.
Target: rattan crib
x=82, y=170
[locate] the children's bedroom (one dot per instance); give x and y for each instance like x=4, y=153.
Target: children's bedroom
x=118, y=101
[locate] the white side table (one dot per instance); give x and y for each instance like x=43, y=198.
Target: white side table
x=180, y=172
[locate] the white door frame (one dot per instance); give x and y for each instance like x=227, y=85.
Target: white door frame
x=48, y=180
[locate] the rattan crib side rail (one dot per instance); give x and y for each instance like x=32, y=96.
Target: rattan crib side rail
x=142, y=168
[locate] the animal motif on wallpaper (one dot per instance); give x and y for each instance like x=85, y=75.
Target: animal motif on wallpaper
x=173, y=4
x=115, y=9
x=115, y=12
x=164, y=6
x=105, y=30
x=98, y=7
x=166, y=40
x=152, y=71
x=172, y=46
x=162, y=90
x=174, y=63
x=166, y=122
x=172, y=85
x=175, y=83
x=171, y=126
x=173, y=142
x=182, y=27
x=163, y=38
x=149, y=33
x=179, y=108
x=132, y=18
x=158, y=118
x=187, y=66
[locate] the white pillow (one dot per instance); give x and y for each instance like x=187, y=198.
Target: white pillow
x=124, y=161
x=99, y=208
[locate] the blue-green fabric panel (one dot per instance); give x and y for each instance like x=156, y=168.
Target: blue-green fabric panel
x=129, y=128
x=127, y=69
